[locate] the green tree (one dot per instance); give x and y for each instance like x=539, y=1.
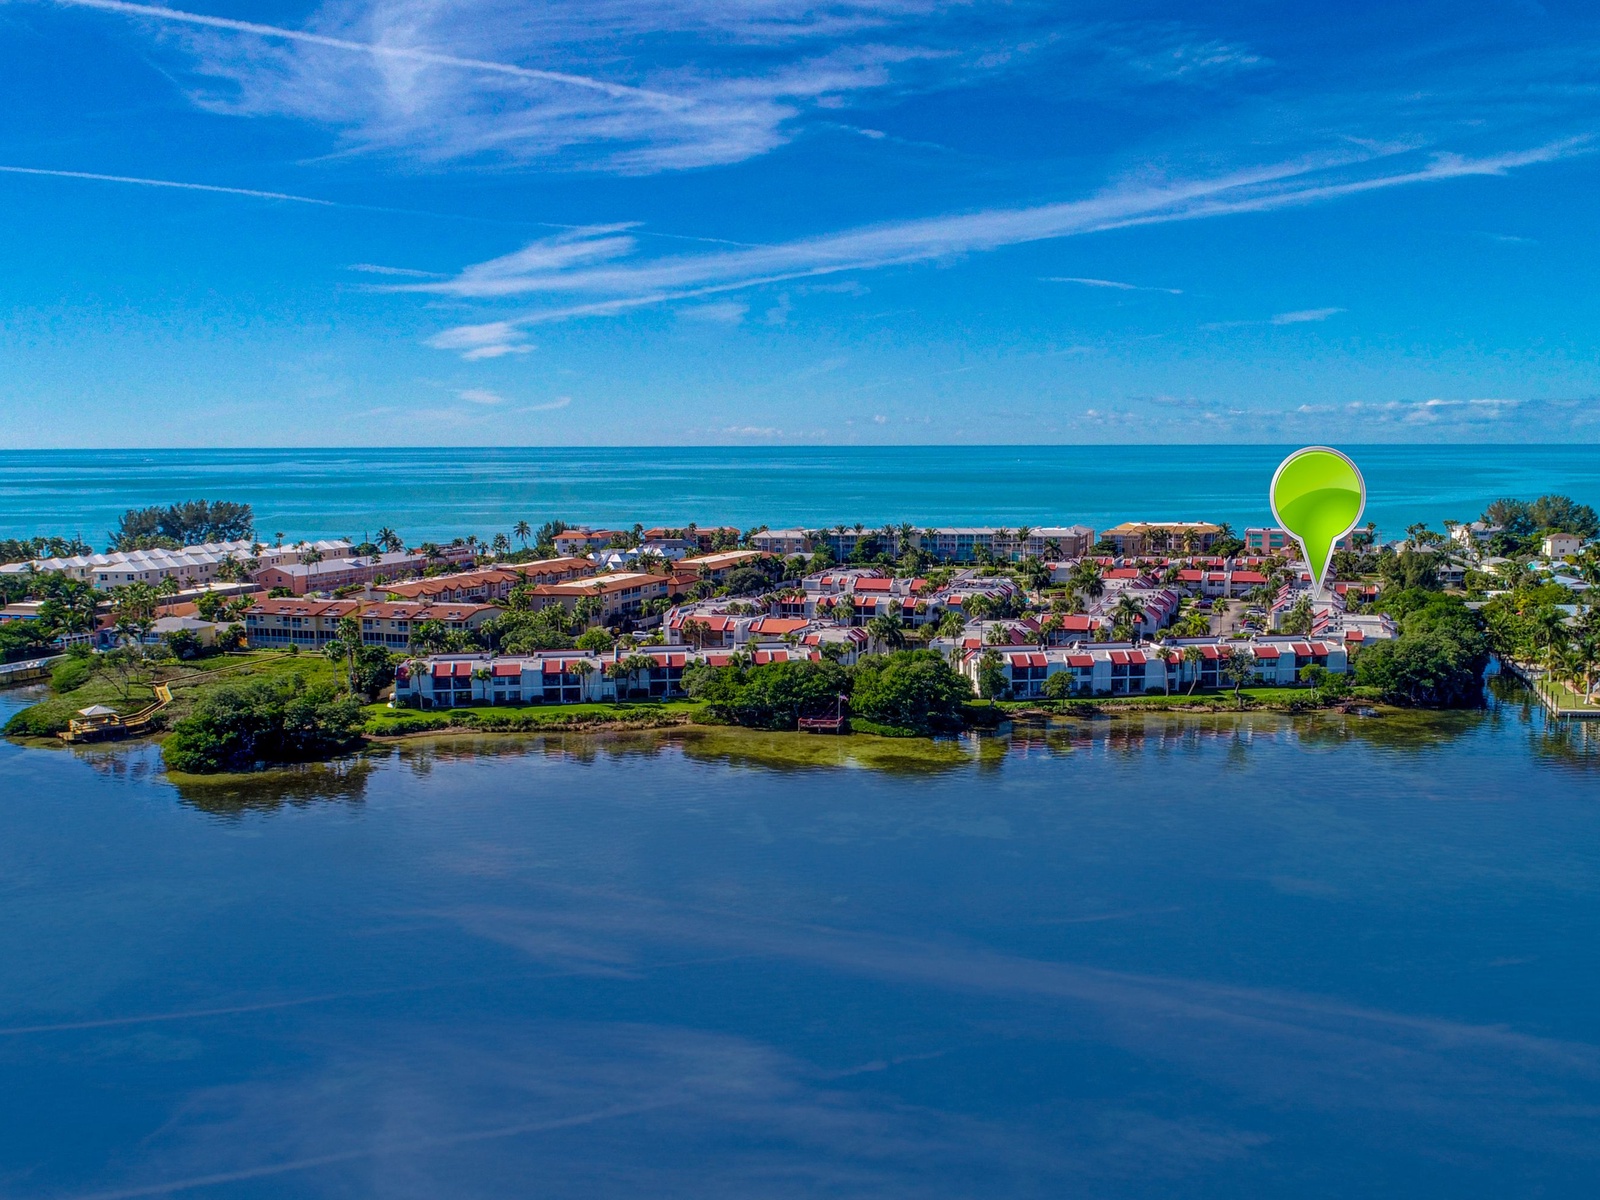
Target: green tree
x=133, y=611
x=596, y=640
x=909, y=689
x=771, y=696
x=991, y=676
x=1238, y=668
x=1193, y=658
x=236, y=727
x=1299, y=618
x=885, y=630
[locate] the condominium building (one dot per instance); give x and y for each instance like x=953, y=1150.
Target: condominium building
x=1269, y=539
x=290, y=621
x=782, y=541
x=623, y=594
x=581, y=541
x=325, y=576
x=191, y=566
x=393, y=624
x=1107, y=669
x=1133, y=538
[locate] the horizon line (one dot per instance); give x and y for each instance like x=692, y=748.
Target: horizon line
x=766, y=446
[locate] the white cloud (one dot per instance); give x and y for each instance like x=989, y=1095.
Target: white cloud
x=379, y=269
x=1110, y=283
x=593, y=263
x=624, y=85
x=480, y=396
x=718, y=312
x=1304, y=315
x=492, y=339
x=560, y=402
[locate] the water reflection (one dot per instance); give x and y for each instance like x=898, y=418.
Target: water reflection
x=344, y=781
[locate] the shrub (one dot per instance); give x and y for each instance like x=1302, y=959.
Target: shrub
x=910, y=689
x=70, y=674
x=234, y=728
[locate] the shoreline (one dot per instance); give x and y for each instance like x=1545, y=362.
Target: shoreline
x=778, y=748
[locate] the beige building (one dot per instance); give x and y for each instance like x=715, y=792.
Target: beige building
x=1162, y=537
x=623, y=594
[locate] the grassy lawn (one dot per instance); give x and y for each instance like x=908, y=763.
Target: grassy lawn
x=188, y=681
x=1260, y=695
x=1564, y=696
x=385, y=721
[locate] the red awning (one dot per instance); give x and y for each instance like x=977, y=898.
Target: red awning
x=1080, y=660
x=1266, y=652
x=508, y=670
x=463, y=670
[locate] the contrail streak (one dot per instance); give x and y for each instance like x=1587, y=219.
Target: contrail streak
x=172, y=183
x=616, y=91
x=410, y=1146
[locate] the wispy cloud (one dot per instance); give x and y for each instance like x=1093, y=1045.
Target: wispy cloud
x=379, y=50
x=600, y=264
x=480, y=396
x=406, y=272
x=493, y=339
x=180, y=185
x=1110, y=283
x=561, y=402
x=718, y=312
x=451, y=80
x=1301, y=316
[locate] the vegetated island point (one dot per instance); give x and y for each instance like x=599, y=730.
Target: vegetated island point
x=239, y=650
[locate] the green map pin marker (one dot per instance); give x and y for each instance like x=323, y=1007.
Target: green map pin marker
x=1318, y=496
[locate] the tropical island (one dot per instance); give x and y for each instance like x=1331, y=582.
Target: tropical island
x=240, y=652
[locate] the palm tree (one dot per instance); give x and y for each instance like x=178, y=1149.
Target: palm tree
x=347, y=645
x=1024, y=532
x=1128, y=612
x=1087, y=580
x=1193, y=657
x=388, y=539
x=502, y=544
x=1052, y=549
x=522, y=531
x=885, y=630
x=1549, y=627
x=1237, y=667
x=583, y=668
x=998, y=542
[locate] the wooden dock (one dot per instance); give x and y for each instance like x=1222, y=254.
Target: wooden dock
x=1558, y=700
x=821, y=724
x=100, y=724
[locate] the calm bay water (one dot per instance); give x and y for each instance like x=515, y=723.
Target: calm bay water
x=436, y=493
x=1243, y=958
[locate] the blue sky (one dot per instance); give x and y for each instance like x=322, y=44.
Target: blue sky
x=619, y=222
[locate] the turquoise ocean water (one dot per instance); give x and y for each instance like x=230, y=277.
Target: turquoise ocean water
x=433, y=493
